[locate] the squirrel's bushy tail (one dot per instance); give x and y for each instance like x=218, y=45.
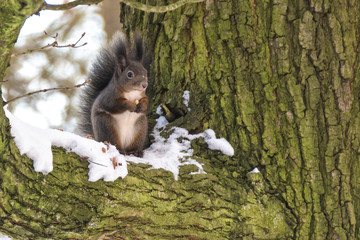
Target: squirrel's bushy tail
x=101, y=73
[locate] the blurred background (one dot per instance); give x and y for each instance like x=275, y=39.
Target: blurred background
x=57, y=67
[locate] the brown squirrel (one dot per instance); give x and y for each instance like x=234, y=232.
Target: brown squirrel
x=114, y=103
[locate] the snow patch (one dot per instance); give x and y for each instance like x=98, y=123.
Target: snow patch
x=36, y=144
x=220, y=144
x=186, y=99
x=3, y=237
x=170, y=154
x=255, y=170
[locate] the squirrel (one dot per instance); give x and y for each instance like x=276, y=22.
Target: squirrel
x=114, y=103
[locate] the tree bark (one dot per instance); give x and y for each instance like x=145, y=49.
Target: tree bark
x=278, y=79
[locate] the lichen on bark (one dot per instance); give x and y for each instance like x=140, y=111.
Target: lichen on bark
x=279, y=80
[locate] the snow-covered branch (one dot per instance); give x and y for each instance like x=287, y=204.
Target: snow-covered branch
x=168, y=154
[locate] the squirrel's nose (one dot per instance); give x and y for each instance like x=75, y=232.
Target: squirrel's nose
x=144, y=85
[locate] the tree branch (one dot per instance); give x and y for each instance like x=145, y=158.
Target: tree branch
x=158, y=9
x=54, y=44
x=69, y=5
x=47, y=90
x=131, y=3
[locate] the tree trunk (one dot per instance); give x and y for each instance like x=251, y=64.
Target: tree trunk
x=278, y=79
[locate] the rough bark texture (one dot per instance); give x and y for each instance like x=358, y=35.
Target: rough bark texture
x=285, y=75
x=278, y=79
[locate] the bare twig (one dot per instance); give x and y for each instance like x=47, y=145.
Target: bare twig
x=47, y=90
x=98, y=163
x=54, y=44
x=131, y=3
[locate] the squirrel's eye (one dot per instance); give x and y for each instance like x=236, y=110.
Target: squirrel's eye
x=130, y=74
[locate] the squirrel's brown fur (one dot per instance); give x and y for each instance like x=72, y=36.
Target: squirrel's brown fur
x=114, y=105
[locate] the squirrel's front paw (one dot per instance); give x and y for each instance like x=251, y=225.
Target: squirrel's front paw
x=141, y=106
x=132, y=107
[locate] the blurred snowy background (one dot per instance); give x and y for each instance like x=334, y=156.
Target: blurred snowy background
x=57, y=67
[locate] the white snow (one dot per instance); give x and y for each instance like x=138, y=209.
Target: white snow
x=168, y=154
x=3, y=237
x=186, y=99
x=255, y=170
x=36, y=144
x=220, y=144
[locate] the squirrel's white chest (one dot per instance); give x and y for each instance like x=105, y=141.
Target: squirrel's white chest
x=126, y=121
x=126, y=127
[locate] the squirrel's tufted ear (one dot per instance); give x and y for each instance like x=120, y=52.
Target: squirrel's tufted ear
x=122, y=63
x=118, y=47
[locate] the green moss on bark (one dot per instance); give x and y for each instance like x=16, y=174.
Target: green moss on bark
x=278, y=80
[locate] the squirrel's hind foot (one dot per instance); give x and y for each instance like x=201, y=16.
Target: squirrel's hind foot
x=139, y=154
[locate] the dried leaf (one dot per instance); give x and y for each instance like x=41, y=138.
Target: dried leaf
x=114, y=162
